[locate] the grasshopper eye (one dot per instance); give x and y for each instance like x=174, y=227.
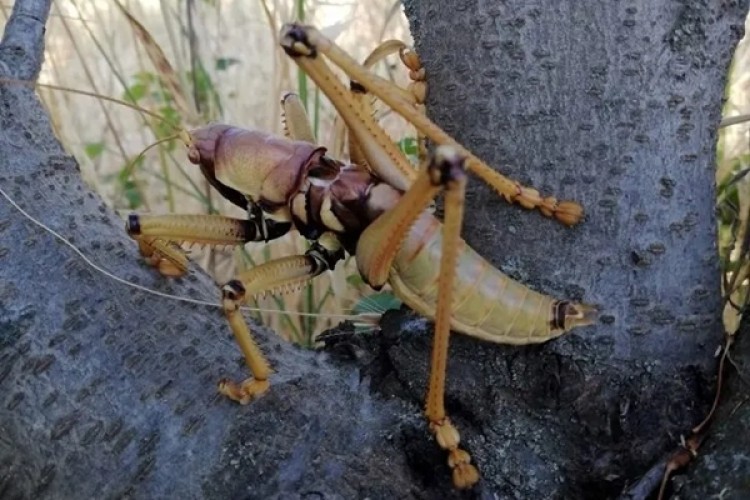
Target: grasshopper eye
x=194, y=155
x=133, y=225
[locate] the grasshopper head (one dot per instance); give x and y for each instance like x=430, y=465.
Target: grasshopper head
x=202, y=143
x=244, y=164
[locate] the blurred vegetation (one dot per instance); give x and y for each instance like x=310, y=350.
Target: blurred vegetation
x=733, y=188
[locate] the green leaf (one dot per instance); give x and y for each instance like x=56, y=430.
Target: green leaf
x=223, y=63
x=94, y=149
x=132, y=194
x=135, y=92
x=355, y=280
x=377, y=303
x=145, y=77
x=165, y=128
x=408, y=145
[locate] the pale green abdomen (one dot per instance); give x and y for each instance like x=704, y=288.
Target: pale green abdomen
x=486, y=303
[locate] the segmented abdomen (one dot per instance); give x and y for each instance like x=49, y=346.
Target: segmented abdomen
x=486, y=303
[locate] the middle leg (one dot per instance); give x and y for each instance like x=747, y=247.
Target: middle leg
x=277, y=276
x=159, y=236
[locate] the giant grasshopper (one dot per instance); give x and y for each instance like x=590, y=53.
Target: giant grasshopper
x=375, y=208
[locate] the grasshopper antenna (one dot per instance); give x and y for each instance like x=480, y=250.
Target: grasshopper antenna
x=181, y=133
x=131, y=165
x=28, y=83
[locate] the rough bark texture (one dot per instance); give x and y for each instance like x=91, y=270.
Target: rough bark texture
x=109, y=392
x=614, y=104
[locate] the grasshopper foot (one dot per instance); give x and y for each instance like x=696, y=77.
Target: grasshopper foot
x=465, y=475
x=166, y=256
x=169, y=261
x=246, y=391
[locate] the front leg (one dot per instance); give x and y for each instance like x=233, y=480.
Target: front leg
x=159, y=236
x=415, y=93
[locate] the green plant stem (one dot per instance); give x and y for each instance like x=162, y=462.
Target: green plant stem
x=316, y=113
x=301, y=76
x=167, y=180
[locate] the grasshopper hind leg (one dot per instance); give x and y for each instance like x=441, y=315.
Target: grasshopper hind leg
x=452, y=176
x=376, y=251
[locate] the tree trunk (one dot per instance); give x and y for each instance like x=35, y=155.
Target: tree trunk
x=614, y=104
x=106, y=391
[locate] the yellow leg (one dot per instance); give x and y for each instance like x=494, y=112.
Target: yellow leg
x=166, y=256
x=415, y=93
x=305, y=43
x=384, y=50
x=417, y=90
x=296, y=124
x=277, y=276
x=380, y=242
x=233, y=295
x=376, y=250
x=158, y=236
x=360, y=98
x=465, y=475
x=382, y=154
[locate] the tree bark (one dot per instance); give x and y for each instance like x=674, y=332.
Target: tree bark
x=108, y=392
x=614, y=104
